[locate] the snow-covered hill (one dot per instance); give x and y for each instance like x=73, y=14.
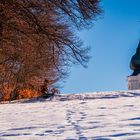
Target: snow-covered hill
x=87, y=116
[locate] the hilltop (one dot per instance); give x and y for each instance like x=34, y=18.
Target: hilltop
x=85, y=116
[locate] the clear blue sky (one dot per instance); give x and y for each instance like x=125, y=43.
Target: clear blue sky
x=113, y=40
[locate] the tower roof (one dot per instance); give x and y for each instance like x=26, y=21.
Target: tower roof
x=135, y=61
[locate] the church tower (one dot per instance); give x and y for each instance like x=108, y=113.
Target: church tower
x=134, y=78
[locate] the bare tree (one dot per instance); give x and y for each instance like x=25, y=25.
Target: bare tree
x=37, y=39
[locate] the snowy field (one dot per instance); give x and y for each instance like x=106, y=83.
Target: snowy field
x=91, y=116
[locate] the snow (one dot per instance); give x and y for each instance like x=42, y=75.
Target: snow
x=88, y=116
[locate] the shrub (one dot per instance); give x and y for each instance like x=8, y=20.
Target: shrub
x=6, y=95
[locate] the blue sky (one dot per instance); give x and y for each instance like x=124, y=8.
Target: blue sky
x=113, y=40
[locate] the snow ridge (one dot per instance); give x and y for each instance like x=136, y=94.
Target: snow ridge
x=85, y=96
x=96, y=95
x=81, y=96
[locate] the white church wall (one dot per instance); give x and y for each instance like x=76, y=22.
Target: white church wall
x=133, y=82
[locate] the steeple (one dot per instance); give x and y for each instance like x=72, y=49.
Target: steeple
x=135, y=62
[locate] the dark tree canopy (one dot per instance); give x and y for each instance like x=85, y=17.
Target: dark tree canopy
x=37, y=39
